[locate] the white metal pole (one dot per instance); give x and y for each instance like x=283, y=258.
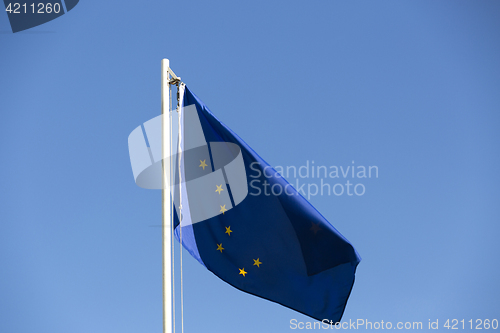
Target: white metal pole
x=166, y=229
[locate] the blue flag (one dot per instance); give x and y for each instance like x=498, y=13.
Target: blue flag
x=250, y=227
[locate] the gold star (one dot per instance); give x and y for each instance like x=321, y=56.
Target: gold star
x=219, y=247
x=219, y=188
x=315, y=227
x=228, y=230
x=203, y=164
x=256, y=262
x=242, y=271
x=223, y=209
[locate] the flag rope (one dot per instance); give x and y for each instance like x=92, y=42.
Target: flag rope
x=179, y=110
x=172, y=255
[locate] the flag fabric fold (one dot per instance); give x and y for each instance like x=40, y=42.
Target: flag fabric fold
x=247, y=225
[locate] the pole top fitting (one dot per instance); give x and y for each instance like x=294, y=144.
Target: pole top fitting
x=175, y=80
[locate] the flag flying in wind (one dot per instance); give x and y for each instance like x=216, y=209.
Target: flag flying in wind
x=249, y=226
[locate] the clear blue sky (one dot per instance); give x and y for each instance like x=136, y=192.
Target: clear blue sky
x=411, y=87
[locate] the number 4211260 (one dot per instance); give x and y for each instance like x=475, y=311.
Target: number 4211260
x=40, y=8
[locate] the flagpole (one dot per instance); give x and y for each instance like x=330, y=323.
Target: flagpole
x=166, y=205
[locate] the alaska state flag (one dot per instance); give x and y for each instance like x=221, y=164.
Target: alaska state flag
x=249, y=226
